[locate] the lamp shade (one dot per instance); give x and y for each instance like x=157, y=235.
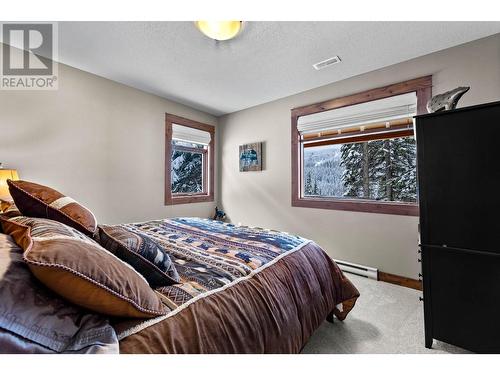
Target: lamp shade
x=6, y=174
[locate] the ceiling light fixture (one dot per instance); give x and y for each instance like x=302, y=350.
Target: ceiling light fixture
x=219, y=30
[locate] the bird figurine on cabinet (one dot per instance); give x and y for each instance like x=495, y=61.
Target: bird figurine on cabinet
x=447, y=100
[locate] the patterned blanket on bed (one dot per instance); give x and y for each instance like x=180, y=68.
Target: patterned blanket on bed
x=210, y=254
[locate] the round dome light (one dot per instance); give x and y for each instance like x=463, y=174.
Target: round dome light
x=219, y=30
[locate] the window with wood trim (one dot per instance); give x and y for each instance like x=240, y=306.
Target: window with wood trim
x=189, y=161
x=358, y=153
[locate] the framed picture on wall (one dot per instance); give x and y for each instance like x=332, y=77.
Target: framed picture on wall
x=251, y=157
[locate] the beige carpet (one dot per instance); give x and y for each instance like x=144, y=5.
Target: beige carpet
x=386, y=319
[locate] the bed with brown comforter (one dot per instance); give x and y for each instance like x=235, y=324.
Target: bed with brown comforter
x=242, y=290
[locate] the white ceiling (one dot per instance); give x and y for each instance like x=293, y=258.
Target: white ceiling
x=267, y=61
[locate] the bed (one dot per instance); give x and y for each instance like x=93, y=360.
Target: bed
x=241, y=290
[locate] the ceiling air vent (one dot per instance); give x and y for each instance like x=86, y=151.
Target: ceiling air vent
x=325, y=63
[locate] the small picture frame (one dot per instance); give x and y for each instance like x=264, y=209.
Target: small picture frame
x=250, y=157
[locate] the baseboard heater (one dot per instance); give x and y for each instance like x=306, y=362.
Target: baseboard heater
x=369, y=272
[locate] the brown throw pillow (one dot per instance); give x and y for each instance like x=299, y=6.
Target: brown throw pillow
x=141, y=252
x=80, y=270
x=41, y=201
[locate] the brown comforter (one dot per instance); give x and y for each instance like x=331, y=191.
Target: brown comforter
x=242, y=290
x=275, y=311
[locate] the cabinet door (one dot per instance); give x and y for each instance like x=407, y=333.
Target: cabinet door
x=464, y=298
x=459, y=178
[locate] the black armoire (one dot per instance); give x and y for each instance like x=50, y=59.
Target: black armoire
x=459, y=194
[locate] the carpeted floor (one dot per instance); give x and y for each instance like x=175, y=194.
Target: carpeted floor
x=386, y=319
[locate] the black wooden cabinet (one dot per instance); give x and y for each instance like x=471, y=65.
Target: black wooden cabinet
x=459, y=194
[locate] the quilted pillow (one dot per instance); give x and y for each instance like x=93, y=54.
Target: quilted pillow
x=141, y=252
x=80, y=270
x=41, y=201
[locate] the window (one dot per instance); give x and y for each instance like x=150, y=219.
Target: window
x=382, y=170
x=188, y=168
x=189, y=161
x=359, y=153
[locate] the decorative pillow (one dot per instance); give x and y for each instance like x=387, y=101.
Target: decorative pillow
x=40, y=321
x=78, y=269
x=11, y=211
x=41, y=201
x=141, y=252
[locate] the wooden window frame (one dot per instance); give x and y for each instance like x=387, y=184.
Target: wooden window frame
x=421, y=86
x=208, y=164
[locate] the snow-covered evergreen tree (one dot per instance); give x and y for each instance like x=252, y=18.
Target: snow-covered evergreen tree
x=393, y=169
x=308, y=189
x=404, y=169
x=356, y=158
x=316, y=190
x=187, y=175
x=352, y=161
x=380, y=170
x=381, y=165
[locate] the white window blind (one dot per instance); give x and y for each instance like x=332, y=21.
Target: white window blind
x=384, y=114
x=192, y=135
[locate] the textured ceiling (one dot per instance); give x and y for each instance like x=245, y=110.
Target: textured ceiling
x=267, y=61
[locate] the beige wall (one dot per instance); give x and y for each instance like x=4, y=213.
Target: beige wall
x=98, y=141
x=263, y=198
